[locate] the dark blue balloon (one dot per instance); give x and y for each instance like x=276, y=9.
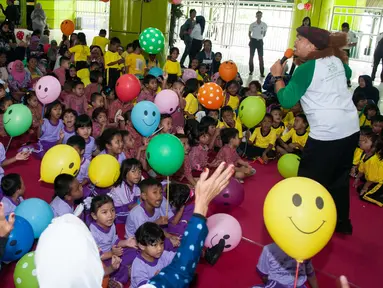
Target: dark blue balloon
x=145, y=117
x=20, y=240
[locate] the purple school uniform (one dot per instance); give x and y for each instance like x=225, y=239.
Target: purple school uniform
x=105, y=240
x=90, y=147
x=50, y=134
x=9, y=205
x=280, y=268
x=60, y=207
x=180, y=227
x=67, y=135
x=143, y=270
x=120, y=157
x=83, y=173
x=123, y=196
x=2, y=158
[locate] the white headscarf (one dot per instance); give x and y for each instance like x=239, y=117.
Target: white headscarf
x=67, y=256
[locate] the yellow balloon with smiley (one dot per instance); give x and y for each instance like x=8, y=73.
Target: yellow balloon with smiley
x=60, y=159
x=300, y=216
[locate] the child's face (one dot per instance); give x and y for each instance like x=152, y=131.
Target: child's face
x=220, y=82
x=365, y=143
x=253, y=89
x=111, y=96
x=84, y=132
x=377, y=127
x=213, y=114
x=361, y=104
x=130, y=49
x=232, y=89
x=371, y=113
x=211, y=130
x=167, y=125
x=204, y=139
x=185, y=142
x=235, y=142
x=32, y=63
x=120, y=50
x=76, y=190
x=3, y=59
x=299, y=124
x=174, y=55
x=65, y=65
x=105, y=215
x=194, y=64
x=2, y=92
x=67, y=54
x=178, y=88
x=102, y=119
x=153, y=85
x=266, y=124
x=56, y=112
x=21, y=191
x=228, y=116
x=202, y=70
x=72, y=72
x=115, y=147
x=98, y=102
x=277, y=116
x=128, y=142
x=155, y=250
x=218, y=57
x=134, y=176
x=79, y=90
x=153, y=196
x=69, y=120
x=362, y=83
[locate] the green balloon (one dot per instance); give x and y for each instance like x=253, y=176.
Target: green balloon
x=165, y=154
x=288, y=165
x=252, y=110
x=17, y=119
x=25, y=272
x=152, y=40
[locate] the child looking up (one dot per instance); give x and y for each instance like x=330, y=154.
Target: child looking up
x=210, y=124
x=190, y=93
x=148, y=92
x=83, y=127
x=126, y=192
x=69, y=119
x=77, y=100
x=13, y=188
x=172, y=67
x=97, y=101
x=78, y=143
x=113, y=62
x=278, y=126
x=166, y=124
x=135, y=62
x=110, y=142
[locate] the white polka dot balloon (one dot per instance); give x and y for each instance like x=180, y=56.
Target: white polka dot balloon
x=152, y=40
x=25, y=272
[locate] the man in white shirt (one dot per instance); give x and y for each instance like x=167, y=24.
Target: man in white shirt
x=352, y=40
x=257, y=31
x=378, y=56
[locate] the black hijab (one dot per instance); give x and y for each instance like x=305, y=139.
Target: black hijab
x=371, y=92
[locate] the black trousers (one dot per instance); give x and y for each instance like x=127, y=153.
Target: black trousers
x=196, y=46
x=256, y=45
x=329, y=163
x=188, y=44
x=112, y=77
x=377, y=59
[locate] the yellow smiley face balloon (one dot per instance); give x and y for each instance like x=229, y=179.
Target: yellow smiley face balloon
x=60, y=159
x=300, y=216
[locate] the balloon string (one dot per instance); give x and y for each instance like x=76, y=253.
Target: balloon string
x=296, y=275
x=167, y=197
x=155, y=132
x=9, y=144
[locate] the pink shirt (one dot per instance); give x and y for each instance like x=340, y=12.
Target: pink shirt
x=92, y=88
x=199, y=157
x=185, y=170
x=228, y=155
x=146, y=95
x=60, y=73
x=79, y=104
x=118, y=105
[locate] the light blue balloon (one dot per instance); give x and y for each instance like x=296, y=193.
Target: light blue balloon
x=156, y=72
x=37, y=212
x=145, y=118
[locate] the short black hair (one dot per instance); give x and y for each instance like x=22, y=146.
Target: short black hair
x=207, y=121
x=358, y=96
x=10, y=184
x=69, y=111
x=94, y=75
x=94, y=96
x=102, y=32
x=98, y=201
x=345, y=25
x=148, y=78
x=174, y=49
x=149, y=233
x=136, y=44
x=226, y=109
x=98, y=111
x=78, y=141
x=114, y=41
x=149, y=182
x=62, y=185
x=268, y=115
x=63, y=59
x=377, y=119
x=227, y=134
x=178, y=194
x=82, y=121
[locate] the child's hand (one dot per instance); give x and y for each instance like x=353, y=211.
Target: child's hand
x=265, y=158
x=165, y=75
x=121, y=61
x=62, y=134
x=23, y=155
x=117, y=250
x=163, y=220
x=175, y=240
x=6, y=226
x=157, y=272
x=131, y=242
x=230, y=123
x=356, y=182
x=180, y=130
x=353, y=171
x=116, y=261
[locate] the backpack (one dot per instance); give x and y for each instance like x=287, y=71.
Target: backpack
x=183, y=29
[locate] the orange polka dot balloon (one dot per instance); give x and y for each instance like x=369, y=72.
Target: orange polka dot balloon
x=210, y=96
x=228, y=70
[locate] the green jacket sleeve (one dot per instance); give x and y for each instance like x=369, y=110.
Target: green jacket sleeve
x=301, y=80
x=348, y=71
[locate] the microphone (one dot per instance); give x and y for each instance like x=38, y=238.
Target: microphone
x=288, y=54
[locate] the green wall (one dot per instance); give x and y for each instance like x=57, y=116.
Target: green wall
x=58, y=10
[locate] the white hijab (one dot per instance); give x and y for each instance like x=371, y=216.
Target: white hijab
x=67, y=256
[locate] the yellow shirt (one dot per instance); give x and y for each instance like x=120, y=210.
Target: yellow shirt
x=279, y=130
x=191, y=104
x=233, y=102
x=101, y=42
x=152, y=64
x=289, y=119
x=295, y=138
x=372, y=169
x=263, y=141
x=125, y=54
x=363, y=121
x=238, y=126
x=81, y=52
x=136, y=64
x=110, y=57
x=172, y=67
x=358, y=155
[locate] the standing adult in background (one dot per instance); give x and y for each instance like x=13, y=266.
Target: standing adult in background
x=197, y=37
x=38, y=18
x=11, y=13
x=352, y=40
x=378, y=56
x=185, y=32
x=257, y=31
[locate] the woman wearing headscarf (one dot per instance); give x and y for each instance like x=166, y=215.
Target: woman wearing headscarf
x=366, y=87
x=206, y=56
x=9, y=45
x=19, y=80
x=38, y=18
x=197, y=36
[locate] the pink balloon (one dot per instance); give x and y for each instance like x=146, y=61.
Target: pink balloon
x=223, y=227
x=167, y=101
x=189, y=74
x=176, y=2
x=9, y=67
x=232, y=196
x=215, y=77
x=48, y=89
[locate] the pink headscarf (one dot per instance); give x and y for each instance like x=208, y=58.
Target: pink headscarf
x=18, y=76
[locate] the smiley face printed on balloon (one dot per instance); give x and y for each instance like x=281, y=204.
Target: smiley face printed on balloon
x=48, y=89
x=145, y=117
x=17, y=119
x=300, y=216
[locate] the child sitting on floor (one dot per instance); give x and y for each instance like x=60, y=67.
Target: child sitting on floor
x=185, y=172
x=83, y=127
x=110, y=142
x=278, y=126
x=78, y=143
x=199, y=152
x=13, y=188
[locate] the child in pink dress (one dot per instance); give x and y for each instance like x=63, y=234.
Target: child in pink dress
x=149, y=89
x=199, y=152
x=31, y=101
x=178, y=115
x=184, y=174
x=95, y=86
x=77, y=100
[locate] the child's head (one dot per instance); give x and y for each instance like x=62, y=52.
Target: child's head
x=377, y=124
x=67, y=187
x=178, y=87
x=371, y=111
x=166, y=123
x=174, y=52
x=266, y=123
x=367, y=139
x=227, y=114
x=191, y=86
x=114, y=44
x=69, y=117
x=276, y=113
x=202, y=69
x=100, y=116
x=83, y=126
x=137, y=47
x=218, y=57
x=185, y=141
x=30, y=99
x=11, y=184
x=102, y=33
x=108, y=92
x=150, y=239
x=210, y=124
x=127, y=139
x=81, y=38
x=53, y=110
x=232, y=87
x=129, y=48
x=300, y=122
x=32, y=62
x=194, y=64
x=130, y=172
x=213, y=114
x=255, y=87
x=152, y=57
x=201, y=136
x=97, y=100
x=4, y=104
x=95, y=76
x=111, y=141
x=102, y=210
x=64, y=62
x=78, y=89
x=3, y=93
x=151, y=192
x=72, y=71
x=120, y=50
x=230, y=136
x=3, y=58
x=179, y=194
x=150, y=82
x=360, y=100
x=78, y=143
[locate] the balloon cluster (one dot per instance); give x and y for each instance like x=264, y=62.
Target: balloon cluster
x=305, y=4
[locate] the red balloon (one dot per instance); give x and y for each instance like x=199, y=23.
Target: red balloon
x=308, y=6
x=46, y=48
x=128, y=87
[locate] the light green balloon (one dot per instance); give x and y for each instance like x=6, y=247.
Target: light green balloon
x=25, y=272
x=251, y=111
x=305, y=1
x=288, y=165
x=152, y=40
x=17, y=119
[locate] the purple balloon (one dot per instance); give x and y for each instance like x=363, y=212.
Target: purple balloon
x=232, y=196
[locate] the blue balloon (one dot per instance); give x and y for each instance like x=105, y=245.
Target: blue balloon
x=145, y=117
x=156, y=72
x=20, y=240
x=37, y=212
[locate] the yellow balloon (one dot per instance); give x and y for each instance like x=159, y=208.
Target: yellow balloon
x=104, y=170
x=60, y=159
x=300, y=216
